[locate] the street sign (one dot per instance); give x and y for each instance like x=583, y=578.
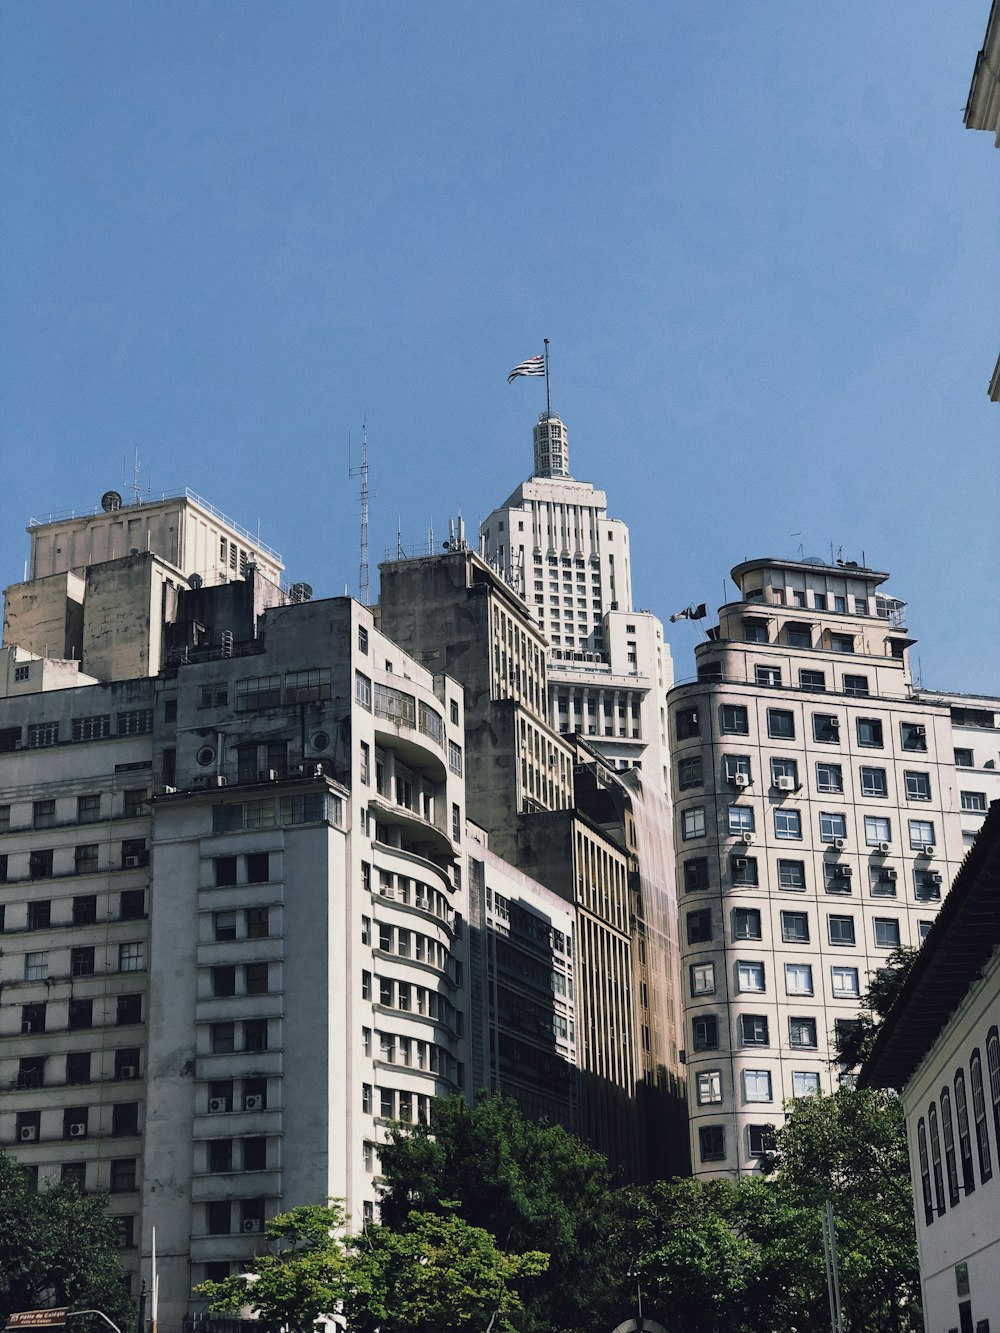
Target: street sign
x=38, y=1318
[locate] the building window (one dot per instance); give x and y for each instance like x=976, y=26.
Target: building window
x=795, y=927
x=913, y=736
x=131, y=957
x=886, y=932
x=832, y=825
x=223, y=981
x=39, y=915
x=125, y=1118
x=693, y=823
x=741, y=819
x=709, y=1087
x=128, y=1010
x=81, y=1015
x=754, y=1030
x=826, y=728
x=43, y=814
x=979, y=1115
x=735, y=767
x=964, y=758
x=127, y=1062
x=948, y=1134
x=31, y=1071
x=689, y=773
x=455, y=758
x=36, y=966
x=972, y=801
x=81, y=961
x=785, y=774
x=925, y=1172
x=869, y=731
x=42, y=733
x=734, y=720
x=223, y=1038
x=804, y=1083
x=92, y=728
x=699, y=926
x=75, y=1120
x=363, y=690
x=712, y=1143
x=769, y=676
x=743, y=870
x=857, y=685
x=813, y=681
x=756, y=1085
x=921, y=834
x=695, y=874
x=702, y=978
x=255, y=1034
x=754, y=630
x=258, y=867
x=877, y=830
x=841, y=929
x=792, y=875
x=882, y=881
x=750, y=977
x=798, y=979
x=257, y=923
x=705, y=1033
x=845, y=982
x=85, y=909
x=798, y=635
x=842, y=643
x=746, y=923
x=802, y=1032
x=123, y=1175
x=40, y=864
x=781, y=723
x=918, y=786
x=873, y=782
x=787, y=824
x=686, y=724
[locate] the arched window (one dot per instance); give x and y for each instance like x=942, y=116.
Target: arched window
x=964, y=1137
x=925, y=1175
x=979, y=1113
x=948, y=1134
x=993, y=1061
x=932, y=1124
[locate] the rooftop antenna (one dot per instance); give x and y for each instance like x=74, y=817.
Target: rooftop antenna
x=363, y=589
x=800, y=548
x=399, y=539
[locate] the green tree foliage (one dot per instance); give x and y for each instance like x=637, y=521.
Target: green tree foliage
x=303, y=1276
x=854, y=1042
x=59, y=1247
x=534, y=1187
x=439, y=1273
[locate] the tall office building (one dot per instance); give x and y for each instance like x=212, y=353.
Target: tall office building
x=822, y=803
x=609, y=667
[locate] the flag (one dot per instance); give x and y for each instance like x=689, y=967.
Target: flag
x=535, y=365
x=698, y=612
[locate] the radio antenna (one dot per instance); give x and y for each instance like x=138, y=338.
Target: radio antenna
x=364, y=594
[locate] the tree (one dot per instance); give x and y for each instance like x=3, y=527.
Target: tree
x=532, y=1186
x=59, y=1247
x=438, y=1273
x=854, y=1040
x=303, y=1277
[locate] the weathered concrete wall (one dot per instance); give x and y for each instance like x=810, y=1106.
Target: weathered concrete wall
x=45, y=616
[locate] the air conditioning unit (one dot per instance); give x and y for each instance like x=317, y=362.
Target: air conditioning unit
x=251, y=1224
x=883, y=847
x=741, y=779
x=168, y=791
x=928, y=849
x=28, y=1133
x=748, y=838
x=920, y=731
x=934, y=877
x=128, y=1071
x=77, y=1130
x=888, y=874
x=740, y=862
x=843, y=872
x=132, y=862
x=27, y=1025
x=255, y=1102
x=838, y=844
x=216, y=1104
x=267, y=775
x=784, y=783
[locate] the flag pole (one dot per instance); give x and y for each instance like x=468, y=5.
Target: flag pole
x=548, y=396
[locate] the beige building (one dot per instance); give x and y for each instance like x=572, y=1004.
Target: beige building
x=817, y=818
x=982, y=111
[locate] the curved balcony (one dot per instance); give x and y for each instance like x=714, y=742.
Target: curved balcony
x=415, y=833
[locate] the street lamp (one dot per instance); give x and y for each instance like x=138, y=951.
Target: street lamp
x=100, y=1314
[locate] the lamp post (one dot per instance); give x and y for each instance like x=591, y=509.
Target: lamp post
x=70, y=1314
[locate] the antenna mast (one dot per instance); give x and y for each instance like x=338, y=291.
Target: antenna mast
x=364, y=594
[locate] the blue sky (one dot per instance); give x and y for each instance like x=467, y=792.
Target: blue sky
x=758, y=235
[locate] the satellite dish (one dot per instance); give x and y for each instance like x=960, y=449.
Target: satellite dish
x=814, y=560
x=195, y=581
x=111, y=501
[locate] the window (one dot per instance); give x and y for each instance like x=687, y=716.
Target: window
x=845, y=982
x=948, y=1134
x=255, y=1034
x=767, y=675
x=256, y=978
x=31, y=1071
x=795, y=927
x=40, y=864
x=131, y=957
x=363, y=690
x=127, y=1062
x=832, y=825
x=254, y=1153
x=81, y=1015
x=787, y=824
x=734, y=720
x=792, y=875
x=712, y=1143
x=746, y=923
x=36, y=966
x=43, y=814
x=689, y=773
x=918, y=786
x=873, y=782
x=42, y=733
x=223, y=1038
x=750, y=977
x=686, y=724
x=754, y=1030
x=756, y=1085
x=743, y=869
x=754, y=630
x=841, y=929
x=135, y=799
x=254, y=1093
x=455, y=758
x=964, y=758
x=128, y=1009
x=798, y=979
x=925, y=1172
x=913, y=736
x=123, y=1176
x=220, y=1155
x=133, y=853
x=964, y=1134
x=798, y=636
x=802, y=1032
x=125, y=1118
x=878, y=829
x=736, y=766
x=27, y=1125
x=695, y=874
x=257, y=923
x=886, y=932
x=699, y=926
x=857, y=685
x=223, y=981
x=224, y=925
x=781, y=723
x=693, y=822
x=741, y=819
x=705, y=1033
x=804, y=1083
x=225, y=870
x=882, y=881
x=75, y=1122
x=702, y=978
x=826, y=728
x=869, y=730
x=785, y=774
x=132, y=904
x=709, y=1087
x=92, y=728
x=921, y=833
x=81, y=961
x=972, y=801
x=136, y=722
x=814, y=681
x=39, y=915
x=842, y=643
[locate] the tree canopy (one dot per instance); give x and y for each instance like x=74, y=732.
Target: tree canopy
x=59, y=1247
x=855, y=1040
